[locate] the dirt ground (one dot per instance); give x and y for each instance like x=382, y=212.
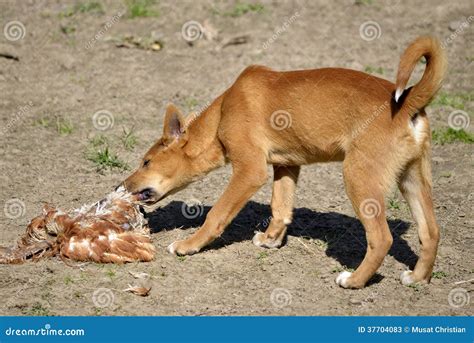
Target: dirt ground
x=55, y=78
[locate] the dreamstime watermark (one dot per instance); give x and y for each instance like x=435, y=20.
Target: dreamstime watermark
x=280, y=120
x=370, y=208
x=280, y=297
x=105, y=28
x=280, y=30
x=14, y=209
x=376, y=112
x=458, y=120
x=459, y=30
x=192, y=31
x=459, y=297
x=16, y=117
x=192, y=209
x=14, y=30
x=103, y=120
x=196, y=114
x=103, y=297
x=370, y=30
x=44, y=331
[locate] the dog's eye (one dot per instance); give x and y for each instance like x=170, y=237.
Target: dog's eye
x=146, y=162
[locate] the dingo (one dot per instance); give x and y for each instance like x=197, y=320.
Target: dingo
x=378, y=129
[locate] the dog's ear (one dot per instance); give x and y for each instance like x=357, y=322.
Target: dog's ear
x=173, y=127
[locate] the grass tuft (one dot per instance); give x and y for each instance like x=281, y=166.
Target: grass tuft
x=450, y=135
x=141, y=8
x=64, y=127
x=99, y=140
x=364, y=2
x=243, y=8
x=37, y=310
x=68, y=280
x=393, y=204
x=439, y=275
x=456, y=101
x=129, y=140
x=104, y=159
x=83, y=7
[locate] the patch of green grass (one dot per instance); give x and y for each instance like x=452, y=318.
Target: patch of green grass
x=439, y=274
x=415, y=286
x=98, y=141
x=68, y=280
x=241, y=8
x=43, y=122
x=450, y=135
x=454, y=100
x=129, y=140
x=141, y=8
x=104, y=159
x=64, y=127
x=393, y=204
x=36, y=310
x=110, y=273
x=191, y=103
x=262, y=255
x=83, y=7
x=364, y=2
x=181, y=258
x=90, y=6
x=374, y=70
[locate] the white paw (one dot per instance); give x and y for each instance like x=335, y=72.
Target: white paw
x=259, y=241
x=406, y=278
x=343, y=279
x=172, y=248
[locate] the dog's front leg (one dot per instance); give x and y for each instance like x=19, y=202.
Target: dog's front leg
x=247, y=178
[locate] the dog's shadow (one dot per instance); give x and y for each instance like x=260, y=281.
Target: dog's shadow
x=342, y=236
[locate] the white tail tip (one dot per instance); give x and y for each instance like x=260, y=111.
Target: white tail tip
x=398, y=94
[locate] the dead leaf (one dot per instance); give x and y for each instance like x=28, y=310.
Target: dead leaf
x=138, y=290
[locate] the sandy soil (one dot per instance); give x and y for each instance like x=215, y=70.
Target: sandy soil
x=61, y=76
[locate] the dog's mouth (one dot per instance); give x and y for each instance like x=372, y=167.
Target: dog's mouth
x=147, y=196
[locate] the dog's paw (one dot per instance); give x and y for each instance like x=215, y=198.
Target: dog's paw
x=261, y=241
x=181, y=248
x=406, y=278
x=343, y=279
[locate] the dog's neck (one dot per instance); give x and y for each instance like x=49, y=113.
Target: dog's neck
x=204, y=149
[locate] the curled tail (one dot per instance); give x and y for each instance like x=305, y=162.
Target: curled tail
x=420, y=94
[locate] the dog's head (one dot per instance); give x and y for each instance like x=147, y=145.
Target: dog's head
x=166, y=167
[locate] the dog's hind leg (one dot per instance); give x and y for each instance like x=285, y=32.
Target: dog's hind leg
x=415, y=185
x=363, y=179
x=284, y=185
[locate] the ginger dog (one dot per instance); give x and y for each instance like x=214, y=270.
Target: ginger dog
x=378, y=129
